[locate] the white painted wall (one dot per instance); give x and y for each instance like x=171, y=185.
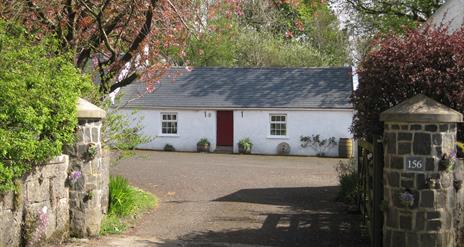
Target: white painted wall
x=255, y=124
x=191, y=127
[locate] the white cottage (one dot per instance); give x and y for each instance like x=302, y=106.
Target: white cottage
x=225, y=105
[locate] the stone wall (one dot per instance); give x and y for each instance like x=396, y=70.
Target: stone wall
x=66, y=197
x=42, y=191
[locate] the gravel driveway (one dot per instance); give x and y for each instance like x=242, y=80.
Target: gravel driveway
x=237, y=200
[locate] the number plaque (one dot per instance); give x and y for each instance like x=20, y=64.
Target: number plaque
x=414, y=164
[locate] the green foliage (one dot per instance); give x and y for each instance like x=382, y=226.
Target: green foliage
x=203, y=141
x=266, y=35
x=124, y=201
x=38, y=98
x=246, y=145
x=349, y=182
x=318, y=144
x=386, y=16
x=112, y=224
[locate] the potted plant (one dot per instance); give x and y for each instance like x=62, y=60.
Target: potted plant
x=407, y=199
x=244, y=146
x=203, y=145
x=447, y=161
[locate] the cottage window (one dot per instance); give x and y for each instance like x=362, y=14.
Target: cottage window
x=169, y=123
x=278, y=124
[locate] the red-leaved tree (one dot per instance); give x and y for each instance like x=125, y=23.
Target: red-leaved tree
x=424, y=61
x=122, y=39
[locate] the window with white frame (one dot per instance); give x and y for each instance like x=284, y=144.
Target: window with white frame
x=278, y=124
x=169, y=123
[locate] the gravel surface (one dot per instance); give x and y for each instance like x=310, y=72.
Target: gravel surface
x=237, y=200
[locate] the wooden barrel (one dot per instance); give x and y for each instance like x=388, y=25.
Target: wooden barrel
x=345, y=148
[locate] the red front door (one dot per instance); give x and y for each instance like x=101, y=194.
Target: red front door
x=225, y=128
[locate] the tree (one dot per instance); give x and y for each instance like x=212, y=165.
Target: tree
x=271, y=33
x=386, y=15
x=122, y=39
x=428, y=61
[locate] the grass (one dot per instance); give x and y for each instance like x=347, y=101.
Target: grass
x=125, y=203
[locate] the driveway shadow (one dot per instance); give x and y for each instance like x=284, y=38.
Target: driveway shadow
x=309, y=217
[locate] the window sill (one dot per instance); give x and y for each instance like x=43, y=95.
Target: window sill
x=168, y=135
x=278, y=137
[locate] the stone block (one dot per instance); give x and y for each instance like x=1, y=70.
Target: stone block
x=397, y=162
x=62, y=215
x=407, y=183
x=434, y=225
x=392, y=218
x=412, y=240
x=431, y=127
x=420, y=181
x=399, y=239
x=393, y=179
x=429, y=240
x=37, y=190
x=422, y=144
x=387, y=237
x=87, y=135
x=436, y=139
x=415, y=127
x=404, y=148
x=420, y=221
x=404, y=136
x=452, y=127
x=395, y=127
x=406, y=222
x=95, y=134
x=404, y=127
x=386, y=127
x=427, y=199
x=443, y=127
x=390, y=138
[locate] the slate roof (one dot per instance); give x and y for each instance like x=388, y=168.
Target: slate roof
x=206, y=88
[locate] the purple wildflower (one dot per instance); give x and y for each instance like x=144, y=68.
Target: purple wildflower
x=74, y=176
x=407, y=197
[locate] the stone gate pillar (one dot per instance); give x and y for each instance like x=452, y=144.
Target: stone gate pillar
x=88, y=173
x=419, y=196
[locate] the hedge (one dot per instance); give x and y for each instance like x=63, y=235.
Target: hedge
x=426, y=61
x=38, y=95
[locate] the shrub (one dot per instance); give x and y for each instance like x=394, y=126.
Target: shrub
x=38, y=99
x=203, y=141
x=317, y=144
x=169, y=148
x=349, y=182
x=246, y=145
x=427, y=61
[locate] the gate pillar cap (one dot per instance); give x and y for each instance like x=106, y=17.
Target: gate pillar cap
x=421, y=108
x=86, y=109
